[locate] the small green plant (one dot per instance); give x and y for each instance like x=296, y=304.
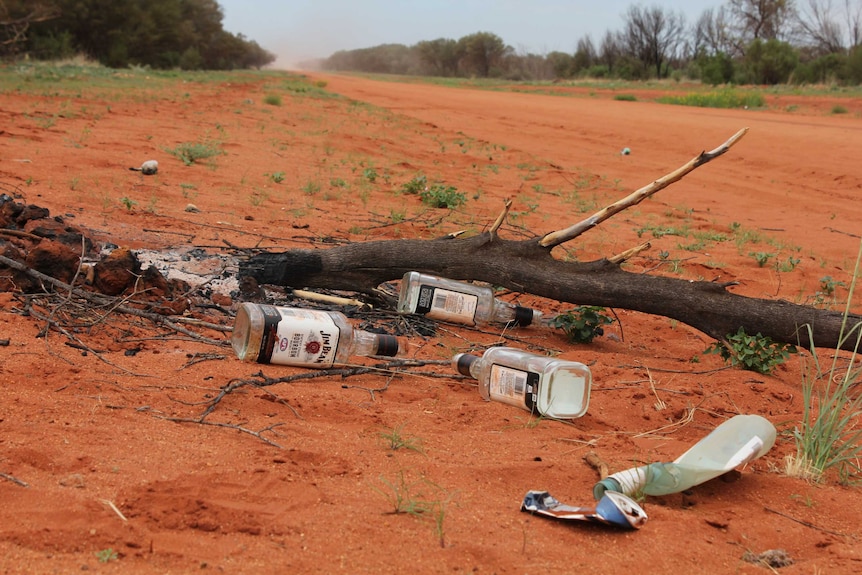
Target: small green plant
x=276, y=177
x=417, y=185
x=338, y=183
x=626, y=98
x=272, y=100
x=258, y=196
x=397, y=216
x=191, y=152
x=128, y=202
x=829, y=436
x=787, y=266
x=582, y=324
x=752, y=352
x=403, y=497
x=838, y=109
x=828, y=285
x=370, y=174
x=106, y=555
x=407, y=498
x=440, y=196
x=395, y=440
x=761, y=257
x=311, y=187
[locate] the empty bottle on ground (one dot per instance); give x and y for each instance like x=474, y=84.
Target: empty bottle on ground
x=303, y=337
x=553, y=387
x=459, y=302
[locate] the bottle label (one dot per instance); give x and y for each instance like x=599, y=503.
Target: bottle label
x=446, y=305
x=300, y=337
x=514, y=386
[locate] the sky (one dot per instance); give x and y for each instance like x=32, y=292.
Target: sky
x=300, y=30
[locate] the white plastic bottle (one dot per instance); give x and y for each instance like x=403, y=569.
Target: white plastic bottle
x=737, y=441
x=458, y=302
x=303, y=337
x=552, y=387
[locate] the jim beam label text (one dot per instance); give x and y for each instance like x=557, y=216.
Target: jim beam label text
x=514, y=386
x=304, y=338
x=446, y=305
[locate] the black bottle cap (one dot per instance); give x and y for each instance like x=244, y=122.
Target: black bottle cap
x=387, y=345
x=463, y=361
x=523, y=315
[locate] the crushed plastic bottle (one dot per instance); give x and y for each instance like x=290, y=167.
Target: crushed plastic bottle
x=739, y=440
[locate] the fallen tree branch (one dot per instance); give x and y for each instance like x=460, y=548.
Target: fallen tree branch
x=527, y=266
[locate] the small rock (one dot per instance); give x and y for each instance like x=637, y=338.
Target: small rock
x=148, y=168
x=192, y=208
x=774, y=558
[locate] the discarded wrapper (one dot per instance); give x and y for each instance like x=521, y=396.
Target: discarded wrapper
x=612, y=509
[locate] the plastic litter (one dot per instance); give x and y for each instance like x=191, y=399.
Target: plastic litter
x=612, y=509
x=737, y=441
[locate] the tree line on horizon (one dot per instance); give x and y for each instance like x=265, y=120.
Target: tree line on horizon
x=165, y=34
x=740, y=42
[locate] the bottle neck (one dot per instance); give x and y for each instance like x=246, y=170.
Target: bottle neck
x=366, y=343
x=467, y=364
x=506, y=312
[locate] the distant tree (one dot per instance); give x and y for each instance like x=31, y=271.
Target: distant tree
x=760, y=19
x=440, y=57
x=610, y=50
x=482, y=51
x=653, y=36
x=585, y=55
x=562, y=64
x=770, y=61
x=16, y=18
x=712, y=34
x=157, y=33
x=828, y=29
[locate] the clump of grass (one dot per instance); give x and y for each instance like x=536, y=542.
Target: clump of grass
x=838, y=109
x=395, y=440
x=408, y=498
x=416, y=185
x=626, y=98
x=727, y=98
x=191, y=152
x=272, y=100
x=828, y=437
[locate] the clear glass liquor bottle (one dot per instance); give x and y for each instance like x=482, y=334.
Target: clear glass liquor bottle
x=552, y=387
x=459, y=302
x=740, y=439
x=303, y=337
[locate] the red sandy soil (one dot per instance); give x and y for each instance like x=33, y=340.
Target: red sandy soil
x=86, y=432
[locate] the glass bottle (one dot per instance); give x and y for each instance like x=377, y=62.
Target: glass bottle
x=458, y=302
x=303, y=337
x=737, y=441
x=552, y=387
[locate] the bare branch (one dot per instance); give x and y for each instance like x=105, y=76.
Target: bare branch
x=629, y=253
x=561, y=236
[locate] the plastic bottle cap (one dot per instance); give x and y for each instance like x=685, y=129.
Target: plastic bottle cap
x=523, y=315
x=387, y=345
x=606, y=484
x=462, y=363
